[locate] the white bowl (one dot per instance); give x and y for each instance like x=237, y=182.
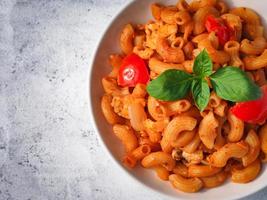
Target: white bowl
x=139, y=12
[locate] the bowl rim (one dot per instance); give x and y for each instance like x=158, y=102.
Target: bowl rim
x=91, y=113
x=92, y=117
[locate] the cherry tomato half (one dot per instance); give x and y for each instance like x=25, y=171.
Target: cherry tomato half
x=254, y=112
x=223, y=32
x=132, y=71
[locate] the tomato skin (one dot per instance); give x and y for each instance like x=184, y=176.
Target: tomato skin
x=254, y=112
x=223, y=34
x=222, y=31
x=132, y=71
x=211, y=23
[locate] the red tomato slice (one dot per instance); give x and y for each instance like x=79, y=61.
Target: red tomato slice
x=222, y=31
x=132, y=71
x=211, y=23
x=252, y=111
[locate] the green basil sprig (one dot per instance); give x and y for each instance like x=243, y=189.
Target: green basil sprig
x=202, y=65
x=201, y=93
x=229, y=83
x=232, y=84
x=171, y=85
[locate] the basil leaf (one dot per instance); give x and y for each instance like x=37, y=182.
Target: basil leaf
x=170, y=85
x=202, y=64
x=201, y=93
x=233, y=84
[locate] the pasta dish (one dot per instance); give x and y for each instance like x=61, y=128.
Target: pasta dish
x=187, y=94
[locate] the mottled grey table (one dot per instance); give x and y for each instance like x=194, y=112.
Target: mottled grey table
x=48, y=149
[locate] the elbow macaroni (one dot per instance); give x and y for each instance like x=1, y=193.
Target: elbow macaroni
x=230, y=150
x=246, y=174
x=232, y=48
x=185, y=184
x=217, y=56
x=168, y=53
x=162, y=173
x=156, y=109
x=214, y=100
x=139, y=153
x=236, y=128
x=159, y=67
x=127, y=136
x=173, y=129
x=137, y=115
x=167, y=15
x=193, y=145
x=254, y=47
x=159, y=158
x=202, y=170
x=208, y=130
x=180, y=169
x=215, y=180
x=177, y=107
x=220, y=140
x=108, y=111
x=254, y=63
x=126, y=39
x=184, y=138
x=254, y=148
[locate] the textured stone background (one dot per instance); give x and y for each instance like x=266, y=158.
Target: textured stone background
x=48, y=149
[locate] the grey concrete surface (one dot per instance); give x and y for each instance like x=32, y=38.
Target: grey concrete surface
x=48, y=149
